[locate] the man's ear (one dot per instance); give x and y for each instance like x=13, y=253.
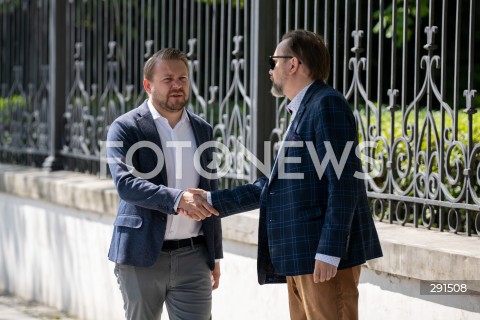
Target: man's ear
x=294, y=65
x=146, y=85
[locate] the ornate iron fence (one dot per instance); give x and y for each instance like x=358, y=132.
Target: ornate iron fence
x=109, y=42
x=407, y=67
x=418, y=57
x=24, y=81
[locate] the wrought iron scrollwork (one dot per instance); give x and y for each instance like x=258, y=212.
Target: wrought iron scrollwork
x=85, y=127
x=196, y=103
x=282, y=118
x=427, y=166
x=40, y=131
x=370, y=130
x=77, y=106
x=15, y=136
x=234, y=126
x=111, y=102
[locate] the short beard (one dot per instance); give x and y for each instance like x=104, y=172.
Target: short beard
x=167, y=106
x=170, y=107
x=277, y=90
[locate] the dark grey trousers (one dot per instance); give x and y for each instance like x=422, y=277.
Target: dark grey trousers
x=181, y=278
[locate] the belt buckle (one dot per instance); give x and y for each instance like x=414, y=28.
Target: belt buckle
x=191, y=243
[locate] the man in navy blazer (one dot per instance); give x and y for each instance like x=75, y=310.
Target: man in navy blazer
x=315, y=227
x=161, y=256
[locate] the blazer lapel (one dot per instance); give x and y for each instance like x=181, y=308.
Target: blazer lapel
x=147, y=125
x=303, y=105
x=290, y=132
x=200, y=134
x=198, y=131
x=292, y=129
x=293, y=126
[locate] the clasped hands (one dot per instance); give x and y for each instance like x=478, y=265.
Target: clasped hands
x=194, y=205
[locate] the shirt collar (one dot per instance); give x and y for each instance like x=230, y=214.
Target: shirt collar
x=156, y=115
x=295, y=103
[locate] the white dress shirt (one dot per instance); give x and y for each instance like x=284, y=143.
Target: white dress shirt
x=178, y=146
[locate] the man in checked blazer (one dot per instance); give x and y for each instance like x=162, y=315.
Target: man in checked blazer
x=161, y=256
x=316, y=228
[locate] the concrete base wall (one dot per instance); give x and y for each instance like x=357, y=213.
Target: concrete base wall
x=55, y=231
x=57, y=255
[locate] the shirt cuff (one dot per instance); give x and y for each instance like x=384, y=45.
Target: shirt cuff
x=334, y=261
x=177, y=201
x=209, y=198
x=217, y=260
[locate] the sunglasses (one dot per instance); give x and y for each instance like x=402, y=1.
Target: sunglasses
x=273, y=62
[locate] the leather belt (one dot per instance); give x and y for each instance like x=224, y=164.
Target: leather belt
x=177, y=244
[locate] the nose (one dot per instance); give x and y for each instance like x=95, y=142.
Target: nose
x=177, y=84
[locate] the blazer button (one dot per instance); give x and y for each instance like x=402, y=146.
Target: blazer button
x=271, y=193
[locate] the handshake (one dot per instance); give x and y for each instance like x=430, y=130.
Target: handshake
x=194, y=205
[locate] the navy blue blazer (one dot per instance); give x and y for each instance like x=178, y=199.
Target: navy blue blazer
x=139, y=228
x=318, y=213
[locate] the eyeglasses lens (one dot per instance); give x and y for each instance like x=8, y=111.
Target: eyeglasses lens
x=272, y=63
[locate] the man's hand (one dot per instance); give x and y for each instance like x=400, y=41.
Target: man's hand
x=200, y=192
x=195, y=207
x=323, y=271
x=216, y=276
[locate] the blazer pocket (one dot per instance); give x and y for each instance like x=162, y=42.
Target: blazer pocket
x=128, y=221
x=310, y=214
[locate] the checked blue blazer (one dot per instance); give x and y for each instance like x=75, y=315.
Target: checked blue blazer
x=316, y=214
x=139, y=228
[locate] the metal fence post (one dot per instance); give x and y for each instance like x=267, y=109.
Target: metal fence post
x=57, y=28
x=263, y=45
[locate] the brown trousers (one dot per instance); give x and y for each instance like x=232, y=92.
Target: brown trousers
x=336, y=299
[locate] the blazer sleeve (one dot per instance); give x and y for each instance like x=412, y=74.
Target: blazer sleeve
x=335, y=130
x=130, y=188
x=239, y=199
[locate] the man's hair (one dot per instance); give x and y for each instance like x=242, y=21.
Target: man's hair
x=311, y=50
x=163, y=54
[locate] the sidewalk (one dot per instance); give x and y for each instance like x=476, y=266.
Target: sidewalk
x=13, y=308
